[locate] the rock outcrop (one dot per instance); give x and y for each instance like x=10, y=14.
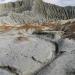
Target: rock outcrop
x=51, y=11
x=20, y=55
x=38, y=11
x=40, y=53
x=18, y=6
x=30, y=47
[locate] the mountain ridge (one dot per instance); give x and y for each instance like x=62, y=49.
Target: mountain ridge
x=24, y=11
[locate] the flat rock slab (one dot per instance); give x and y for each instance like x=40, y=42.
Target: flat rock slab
x=24, y=57
x=64, y=65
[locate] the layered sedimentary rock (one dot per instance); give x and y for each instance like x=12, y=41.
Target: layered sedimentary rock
x=25, y=11
x=40, y=53
x=51, y=11
x=18, y=6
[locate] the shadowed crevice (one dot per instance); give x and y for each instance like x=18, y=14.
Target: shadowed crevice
x=10, y=69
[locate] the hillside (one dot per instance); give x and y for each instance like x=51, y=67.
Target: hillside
x=27, y=11
x=50, y=11
x=18, y=6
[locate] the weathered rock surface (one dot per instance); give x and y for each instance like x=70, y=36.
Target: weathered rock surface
x=30, y=54
x=50, y=11
x=21, y=56
x=4, y=72
x=36, y=55
x=17, y=6
x=40, y=11
x=64, y=64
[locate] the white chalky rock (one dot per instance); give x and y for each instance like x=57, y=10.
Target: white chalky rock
x=26, y=57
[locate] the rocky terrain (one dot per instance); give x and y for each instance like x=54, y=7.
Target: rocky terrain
x=27, y=11
x=36, y=38
x=37, y=49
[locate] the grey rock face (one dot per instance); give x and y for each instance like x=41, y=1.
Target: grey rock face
x=64, y=64
x=19, y=57
x=4, y=72
x=18, y=6
x=27, y=11
x=39, y=10
x=50, y=11
x=36, y=56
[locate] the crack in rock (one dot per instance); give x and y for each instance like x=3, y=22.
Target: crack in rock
x=34, y=59
x=10, y=69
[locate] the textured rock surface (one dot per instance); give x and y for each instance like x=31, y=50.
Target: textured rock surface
x=64, y=64
x=39, y=11
x=18, y=6
x=21, y=56
x=50, y=11
x=36, y=54
x=44, y=53
x=4, y=72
